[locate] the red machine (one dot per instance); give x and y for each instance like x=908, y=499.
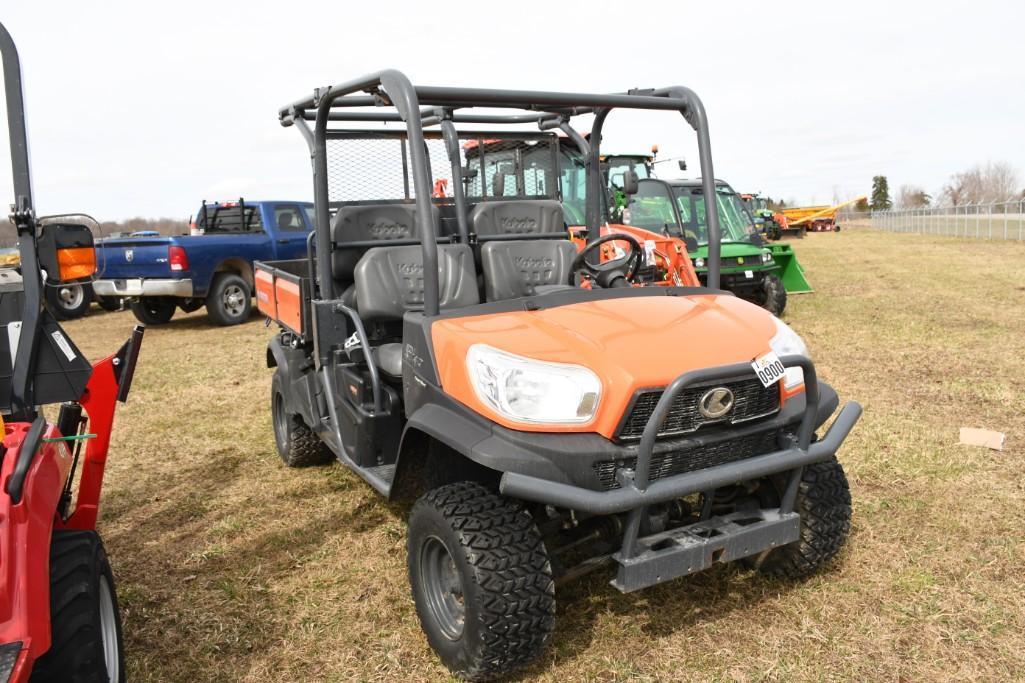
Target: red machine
x=59, y=617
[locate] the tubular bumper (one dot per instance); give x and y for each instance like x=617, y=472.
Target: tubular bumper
x=143, y=287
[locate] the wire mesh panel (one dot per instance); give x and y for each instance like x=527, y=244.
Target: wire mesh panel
x=369, y=166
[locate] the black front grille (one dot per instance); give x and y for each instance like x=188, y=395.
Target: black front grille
x=691, y=459
x=750, y=400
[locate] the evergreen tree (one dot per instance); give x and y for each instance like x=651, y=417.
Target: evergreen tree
x=880, y=194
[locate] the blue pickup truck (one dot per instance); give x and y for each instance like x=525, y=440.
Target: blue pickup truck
x=213, y=266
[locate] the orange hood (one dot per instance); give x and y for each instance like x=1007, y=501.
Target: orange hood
x=630, y=343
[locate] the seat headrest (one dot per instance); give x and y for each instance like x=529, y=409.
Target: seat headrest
x=371, y=223
x=492, y=219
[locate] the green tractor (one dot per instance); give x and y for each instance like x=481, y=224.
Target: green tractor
x=749, y=268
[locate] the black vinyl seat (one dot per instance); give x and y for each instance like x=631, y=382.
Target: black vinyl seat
x=388, y=281
x=513, y=266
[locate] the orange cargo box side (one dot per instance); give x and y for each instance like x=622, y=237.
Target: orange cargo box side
x=289, y=303
x=265, y=299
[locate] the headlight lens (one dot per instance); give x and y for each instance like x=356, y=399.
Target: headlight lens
x=529, y=390
x=766, y=257
x=786, y=342
x=699, y=263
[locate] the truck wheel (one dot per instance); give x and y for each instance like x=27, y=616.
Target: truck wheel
x=297, y=444
x=108, y=303
x=152, y=310
x=824, y=502
x=481, y=580
x=774, y=295
x=230, y=300
x=85, y=622
x=67, y=302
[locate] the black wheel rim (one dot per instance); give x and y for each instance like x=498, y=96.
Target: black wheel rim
x=443, y=588
x=280, y=422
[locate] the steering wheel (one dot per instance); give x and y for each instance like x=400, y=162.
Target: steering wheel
x=615, y=273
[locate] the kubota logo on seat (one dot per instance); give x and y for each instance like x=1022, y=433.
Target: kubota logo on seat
x=387, y=231
x=528, y=262
x=715, y=403
x=518, y=224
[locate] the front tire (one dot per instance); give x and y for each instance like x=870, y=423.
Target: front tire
x=481, y=580
x=67, y=302
x=774, y=295
x=85, y=622
x=824, y=503
x=153, y=310
x=297, y=444
x=230, y=300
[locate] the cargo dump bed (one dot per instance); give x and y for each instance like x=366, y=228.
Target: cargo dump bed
x=283, y=293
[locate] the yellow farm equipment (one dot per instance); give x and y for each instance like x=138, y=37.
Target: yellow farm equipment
x=814, y=218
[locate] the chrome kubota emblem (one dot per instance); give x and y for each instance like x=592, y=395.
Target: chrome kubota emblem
x=715, y=403
x=129, y=255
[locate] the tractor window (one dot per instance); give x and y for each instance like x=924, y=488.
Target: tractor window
x=735, y=222
x=574, y=189
x=527, y=168
x=652, y=208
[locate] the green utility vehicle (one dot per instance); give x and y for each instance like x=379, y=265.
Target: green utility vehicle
x=676, y=208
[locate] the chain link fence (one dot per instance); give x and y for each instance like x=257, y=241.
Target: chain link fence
x=995, y=221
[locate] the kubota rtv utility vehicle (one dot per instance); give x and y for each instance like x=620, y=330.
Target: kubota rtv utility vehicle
x=59, y=617
x=443, y=348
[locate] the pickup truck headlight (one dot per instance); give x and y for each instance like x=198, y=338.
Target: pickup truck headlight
x=529, y=390
x=786, y=342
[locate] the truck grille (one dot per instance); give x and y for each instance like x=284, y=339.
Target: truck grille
x=692, y=459
x=750, y=401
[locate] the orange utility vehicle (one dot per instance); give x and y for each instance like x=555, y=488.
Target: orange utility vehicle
x=442, y=348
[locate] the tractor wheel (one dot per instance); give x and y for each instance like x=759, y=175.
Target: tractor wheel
x=774, y=295
x=230, y=300
x=152, y=310
x=85, y=623
x=481, y=580
x=297, y=444
x=67, y=302
x=108, y=303
x=824, y=503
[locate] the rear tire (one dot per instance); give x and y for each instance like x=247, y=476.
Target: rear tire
x=774, y=295
x=85, y=622
x=67, y=302
x=297, y=444
x=824, y=503
x=230, y=300
x=152, y=310
x=481, y=580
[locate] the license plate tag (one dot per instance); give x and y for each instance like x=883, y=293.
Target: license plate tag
x=769, y=369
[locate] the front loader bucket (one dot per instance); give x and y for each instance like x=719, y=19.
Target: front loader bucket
x=790, y=271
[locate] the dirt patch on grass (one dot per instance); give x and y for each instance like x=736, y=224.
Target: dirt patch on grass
x=231, y=567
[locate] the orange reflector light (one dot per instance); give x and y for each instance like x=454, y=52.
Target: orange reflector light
x=77, y=263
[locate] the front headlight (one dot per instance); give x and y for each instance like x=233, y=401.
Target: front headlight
x=786, y=342
x=699, y=263
x=766, y=257
x=529, y=390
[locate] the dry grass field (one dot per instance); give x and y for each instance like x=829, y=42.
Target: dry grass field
x=232, y=568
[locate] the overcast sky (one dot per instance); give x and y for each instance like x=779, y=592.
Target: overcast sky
x=139, y=108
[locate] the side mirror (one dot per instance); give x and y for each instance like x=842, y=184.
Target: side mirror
x=683, y=164
x=498, y=184
x=690, y=243
x=630, y=182
x=66, y=252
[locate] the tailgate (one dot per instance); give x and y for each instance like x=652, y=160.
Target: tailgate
x=132, y=258
x=282, y=293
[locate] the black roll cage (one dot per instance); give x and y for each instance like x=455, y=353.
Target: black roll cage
x=391, y=97
x=24, y=219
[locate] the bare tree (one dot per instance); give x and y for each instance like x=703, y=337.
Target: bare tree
x=912, y=197
x=994, y=182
